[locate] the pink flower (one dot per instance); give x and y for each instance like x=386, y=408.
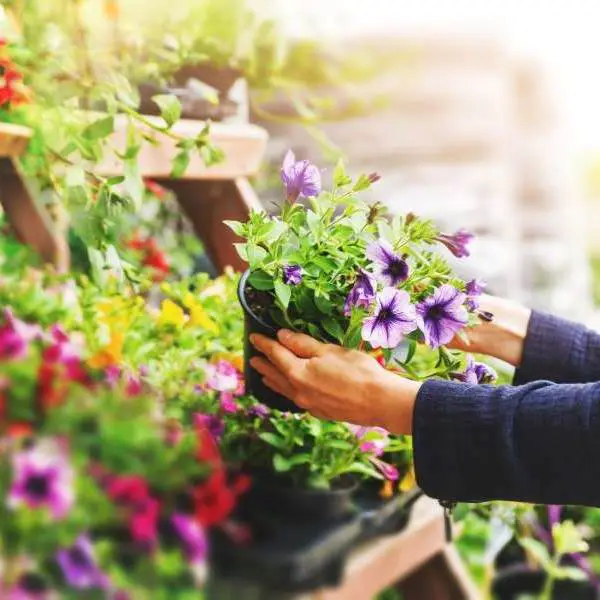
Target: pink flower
x=227, y=403
x=15, y=336
x=222, y=377
x=134, y=386
x=373, y=439
x=43, y=478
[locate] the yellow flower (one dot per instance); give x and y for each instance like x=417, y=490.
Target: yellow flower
x=387, y=491
x=236, y=360
x=171, y=314
x=111, y=354
x=111, y=9
x=198, y=315
x=408, y=481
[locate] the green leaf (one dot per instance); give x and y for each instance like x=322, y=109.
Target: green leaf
x=133, y=183
x=314, y=223
x=170, y=108
x=242, y=250
x=363, y=469
x=273, y=440
x=180, y=164
x=256, y=254
x=339, y=444
x=568, y=539
x=362, y=183
x=323, y=304
x=325, y=263
x=281, y=464
x=283, y=293
x=340, y=177
x=237, y=227
x=538, y=550
x=261, y=280
x=333, y=328
x=353, y=337
x=99, y=129
x=573, y=573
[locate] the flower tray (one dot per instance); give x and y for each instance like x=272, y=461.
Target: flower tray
x=288, y=557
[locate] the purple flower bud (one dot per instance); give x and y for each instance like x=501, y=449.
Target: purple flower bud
x=301, y=178
x=374, y=177
x=362, y=294
x=79, y=565
x=476, y=373
x=473, y=289
x=259, y=410
x=457, y=243
x=292, y=274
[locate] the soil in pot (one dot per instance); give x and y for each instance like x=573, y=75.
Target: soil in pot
x=255, y=304
x=520, y=581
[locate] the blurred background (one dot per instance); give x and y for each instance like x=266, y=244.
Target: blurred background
x=478, y=114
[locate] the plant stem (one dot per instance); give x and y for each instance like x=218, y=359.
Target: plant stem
x=549, y=585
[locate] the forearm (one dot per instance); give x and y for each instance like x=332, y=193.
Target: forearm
x=534, y=443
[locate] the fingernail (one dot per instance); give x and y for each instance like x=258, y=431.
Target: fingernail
x=252, y=339
x=284, y=334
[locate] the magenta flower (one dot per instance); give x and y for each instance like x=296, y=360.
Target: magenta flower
x=227, y=403
x=192, y=537
x=457, y=243
x=441, y=315
x=473, y=289
x=393, y=318
x=15, y=336
x=222, y=377
x=212, y=423
x=134, y=386
x=476, y=373
x=112, y=373
x=373, y=439
x=43, y=478
x=388, y=471
x=390, y=268
x=30, y=586
x=143, y=523
x=292, y=274
x=362, y=293
x=79, y=566
x=62, y=351
x=300, y=178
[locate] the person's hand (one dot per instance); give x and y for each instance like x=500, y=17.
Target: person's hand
x=503, y=337
x=335, y=383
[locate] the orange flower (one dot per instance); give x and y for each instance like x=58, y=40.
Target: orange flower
x=111, y=9
x=111, y=354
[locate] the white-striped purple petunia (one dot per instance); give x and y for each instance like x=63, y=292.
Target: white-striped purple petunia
x=442, y=315
x=300, y=178
x=390, y=268
x=476, y=373
x=393, y=318
x=362, y=293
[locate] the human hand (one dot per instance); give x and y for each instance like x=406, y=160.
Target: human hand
x=335, y=383
x=503, y=337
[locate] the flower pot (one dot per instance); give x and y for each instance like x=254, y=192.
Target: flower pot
x=254, y=324
x=519, y=580
x=220, y=78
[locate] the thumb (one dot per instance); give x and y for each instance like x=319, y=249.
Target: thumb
x=301, y=345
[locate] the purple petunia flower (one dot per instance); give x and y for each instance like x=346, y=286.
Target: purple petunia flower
x=259, y=410
x=441, y=315
x=476, y=373
x=79, y=566
x=362, y=293
x=43, y=478
x=222, y=377
x=192, y=537
x=301, y=178
x=473, y=289
x=292, y=274
x=393, y=318
x=212, y=423
x=390, y=268
x=457, y=243
x=15, y=336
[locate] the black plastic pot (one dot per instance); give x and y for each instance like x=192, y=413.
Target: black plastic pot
x=254, y=383
x=513, y=582
x=277, y=495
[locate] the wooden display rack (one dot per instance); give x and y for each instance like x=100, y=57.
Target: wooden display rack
x=208, y=196
x=30, y=222
x=418, y=561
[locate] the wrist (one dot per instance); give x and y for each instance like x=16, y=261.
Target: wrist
x=396, y=396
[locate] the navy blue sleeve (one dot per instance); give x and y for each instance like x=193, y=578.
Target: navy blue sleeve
x=559, y=351
x=537, y=443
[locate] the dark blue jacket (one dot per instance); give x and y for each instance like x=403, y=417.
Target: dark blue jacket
x=536, y=441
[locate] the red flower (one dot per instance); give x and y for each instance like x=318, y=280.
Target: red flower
x=18, y=430
x=155, y=188
x=144, y=522
x=214, y=500
x=128, y=489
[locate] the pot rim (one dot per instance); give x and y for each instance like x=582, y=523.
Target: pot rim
x=242, y=300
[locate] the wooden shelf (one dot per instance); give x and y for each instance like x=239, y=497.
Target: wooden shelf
x=244, y=146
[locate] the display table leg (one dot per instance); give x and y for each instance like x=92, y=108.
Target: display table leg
x=208, y=204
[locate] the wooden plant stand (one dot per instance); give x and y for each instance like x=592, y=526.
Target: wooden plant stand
x=29, y=221
x=208, y=196
x=418, y=561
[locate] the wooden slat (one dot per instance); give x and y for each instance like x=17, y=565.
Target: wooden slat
x=244, y=146
x=13, y=139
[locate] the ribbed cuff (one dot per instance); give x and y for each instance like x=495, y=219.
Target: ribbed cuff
x=547, y=351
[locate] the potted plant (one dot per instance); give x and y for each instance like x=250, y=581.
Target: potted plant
x=336, y=268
